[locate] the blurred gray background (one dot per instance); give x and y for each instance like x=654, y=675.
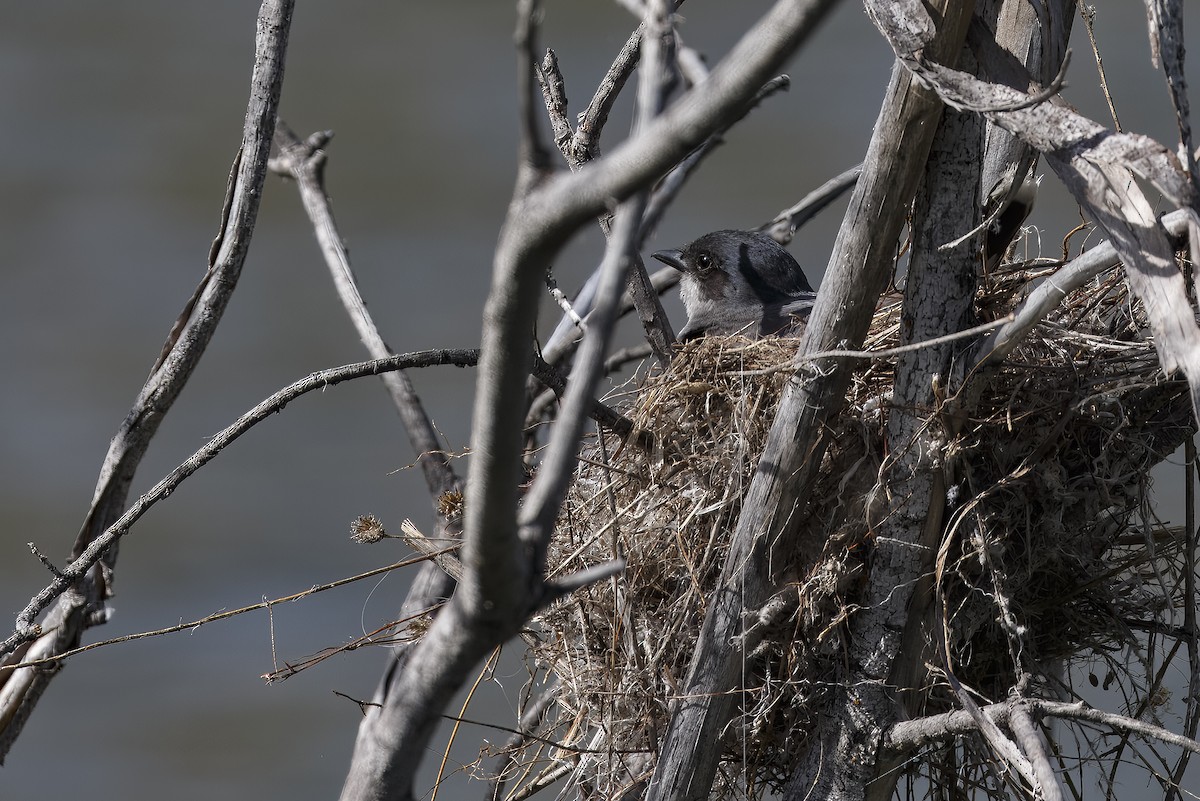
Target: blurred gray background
x=120, y=121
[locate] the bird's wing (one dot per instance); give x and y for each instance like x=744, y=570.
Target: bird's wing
x=783, y=318
x=799, y=305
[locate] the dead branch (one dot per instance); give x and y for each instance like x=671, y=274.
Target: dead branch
x=909, y=735
x=304, y=162
x=500, y=586
x=858, y=270
x=78, y=568
x=90, y=575
x=788, y=221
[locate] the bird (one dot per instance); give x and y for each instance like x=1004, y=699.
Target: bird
x=739, y=282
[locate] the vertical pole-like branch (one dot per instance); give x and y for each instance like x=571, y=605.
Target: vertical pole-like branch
x=841, y=761
x=889, y=635
x=655, y=81
x=859, y=270
x=620, y=260
x=1191, y=719
x=84, y=604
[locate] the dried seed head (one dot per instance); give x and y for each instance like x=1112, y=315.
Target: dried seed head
x=366, y=529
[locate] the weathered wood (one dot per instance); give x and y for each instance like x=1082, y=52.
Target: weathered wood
x=858, y=271
x=501, y=584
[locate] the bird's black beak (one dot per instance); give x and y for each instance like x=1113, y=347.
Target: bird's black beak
x=672, y=258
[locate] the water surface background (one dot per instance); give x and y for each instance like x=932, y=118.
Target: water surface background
x=120, y=121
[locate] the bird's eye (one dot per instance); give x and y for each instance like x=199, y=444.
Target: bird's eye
x=704, y=262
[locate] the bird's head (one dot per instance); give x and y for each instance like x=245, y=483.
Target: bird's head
x=738, y=282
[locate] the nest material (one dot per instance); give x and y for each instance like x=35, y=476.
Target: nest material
x=1054, y=465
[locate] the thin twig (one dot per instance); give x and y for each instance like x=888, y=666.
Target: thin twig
x=564, y=303
x=563, y=746
x=531, y=721
x=488, y=667
x=886, y=353
x=187, y=342
x=670, y=186
x=403, y=631
x=786, y=222
x=305, y=162
x=24, y=629
x=535, y=158
x=46, y=563
x=218, y=616
x=606, y=416
x=1088, y=15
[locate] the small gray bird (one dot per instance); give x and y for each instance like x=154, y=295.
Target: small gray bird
x=739, y=282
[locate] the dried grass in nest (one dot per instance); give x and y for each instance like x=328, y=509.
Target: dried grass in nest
x=1053, y=466
x=1058, y=460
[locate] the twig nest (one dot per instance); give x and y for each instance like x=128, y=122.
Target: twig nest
x=1052, y=463
x=622, y=648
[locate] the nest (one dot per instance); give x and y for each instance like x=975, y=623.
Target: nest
x=1044, y=544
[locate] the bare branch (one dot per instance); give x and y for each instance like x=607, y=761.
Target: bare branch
x=304, y=162
x=668, y=189
x=186, y=344
x=1050, y=293
x=562, y=342
x=1034, y=745
x=46, y=563
x=192, y=625
x=909, y=735
x=1004, y=749
x=275, y=403
x=585, y=144
x=564, y=303
x=788, y=221
x=500, y=585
